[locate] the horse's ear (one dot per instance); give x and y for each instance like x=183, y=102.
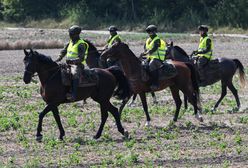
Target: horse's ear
x=25, y=52
x=171, y=43
x=31, y=51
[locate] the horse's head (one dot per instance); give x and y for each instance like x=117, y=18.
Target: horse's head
x=176, y=53
x=115, y=51
x=30, y=61
x=169, y=50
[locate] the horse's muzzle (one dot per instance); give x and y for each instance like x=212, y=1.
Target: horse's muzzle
x=27, y=77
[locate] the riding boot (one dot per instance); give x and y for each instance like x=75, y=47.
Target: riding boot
x=155, y=84
x=74, y=88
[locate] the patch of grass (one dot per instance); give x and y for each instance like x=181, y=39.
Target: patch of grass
x=243, y=119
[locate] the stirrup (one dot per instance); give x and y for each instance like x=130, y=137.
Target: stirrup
x=70, y=97
x=154, y=87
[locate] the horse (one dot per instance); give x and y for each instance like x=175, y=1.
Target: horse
x=228, y=68
x=93, y=61
x=54, y=92
x=184, y=80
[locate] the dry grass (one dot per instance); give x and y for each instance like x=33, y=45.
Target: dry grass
x=35, y=44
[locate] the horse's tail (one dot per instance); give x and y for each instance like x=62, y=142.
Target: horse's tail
x=123, y=90
x=241, y=72
x=194, y=82
x=193, y=77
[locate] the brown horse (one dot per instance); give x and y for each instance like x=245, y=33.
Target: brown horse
x=184, y=80
x=54, y=92
x=228, y=67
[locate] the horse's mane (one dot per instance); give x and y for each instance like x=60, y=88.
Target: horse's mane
x=179, y=49
x=131, y=52
x=91, y=45
x=44, y=59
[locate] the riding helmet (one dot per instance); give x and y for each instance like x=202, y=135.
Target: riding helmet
x=151, y=28
x=75, y=30
x=203, y=28
x=112, y=28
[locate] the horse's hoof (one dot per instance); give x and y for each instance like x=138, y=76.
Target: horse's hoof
x=199, y=117
x=174, y=119
x=148, y=124
x=126, y=134
x=213, y=109
x=96, y=136
x=61, y=138
x=39, y=138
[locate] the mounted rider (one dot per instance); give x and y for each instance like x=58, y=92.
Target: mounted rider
x=155, y=49
x=205, y=50
x=113, y=38
x=76, y=52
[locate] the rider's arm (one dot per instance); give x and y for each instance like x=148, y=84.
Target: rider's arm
x=208, y=43
x=62, y=53
x=155, y=46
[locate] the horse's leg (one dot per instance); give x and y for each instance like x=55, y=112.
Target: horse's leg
x=223, y=94
x=58, y=121
x=114, y=111
x=177, y=100
x=235, y=93
x=124, y=102
x=193, y=99
x=39, y=127
x=144, y=104
x=185, y=101
x=154, y=98
x=132, y=101
x=104, y=116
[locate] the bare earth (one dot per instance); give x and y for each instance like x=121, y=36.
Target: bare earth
x=192, y=144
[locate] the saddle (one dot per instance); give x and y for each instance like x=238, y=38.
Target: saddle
x=209, y=73
x=166, y=71
x=88, y=77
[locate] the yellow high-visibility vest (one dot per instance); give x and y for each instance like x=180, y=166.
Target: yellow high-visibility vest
x=111, y=40
x=160, y=52
x=72, y=50
x=203, y=46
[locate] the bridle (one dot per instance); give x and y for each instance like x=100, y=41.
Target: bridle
x=36, y=74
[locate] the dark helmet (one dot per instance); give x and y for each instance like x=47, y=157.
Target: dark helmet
x=75, y=30
x=203, y=28
x=151, y=28
x=112, y=28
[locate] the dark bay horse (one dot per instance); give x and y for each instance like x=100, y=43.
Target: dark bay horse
x=54, y=92
x=228, y=67
x=184, y=80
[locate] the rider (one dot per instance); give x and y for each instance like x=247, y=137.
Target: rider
x=155, y=49
x=76, y=52
x=113, y=38
x=205, y=50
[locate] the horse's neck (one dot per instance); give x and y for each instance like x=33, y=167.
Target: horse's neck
x=93, y=58
x=131, y=65
x=47, y=72
x=180, y=56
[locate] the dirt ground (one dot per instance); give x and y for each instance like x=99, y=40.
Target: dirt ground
x=187, y=151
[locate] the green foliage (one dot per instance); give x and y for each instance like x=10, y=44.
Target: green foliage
x=169, y=15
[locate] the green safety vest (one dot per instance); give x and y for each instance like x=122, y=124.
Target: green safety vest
x=72, y=50
x=160, y=52
x=112, y=39
x=203, y=46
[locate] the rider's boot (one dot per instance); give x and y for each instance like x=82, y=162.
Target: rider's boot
x=155, y=84
x=75, y=84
